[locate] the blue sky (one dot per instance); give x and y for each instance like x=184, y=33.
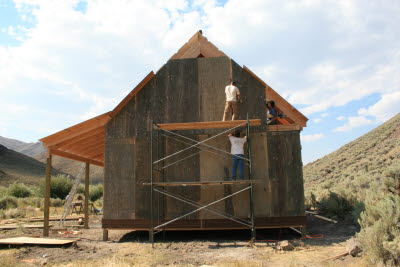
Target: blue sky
x=338, y=62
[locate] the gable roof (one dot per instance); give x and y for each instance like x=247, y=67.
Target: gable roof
x=85, y=141
x=198, y=46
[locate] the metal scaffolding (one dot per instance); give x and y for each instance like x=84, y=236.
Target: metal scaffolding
x=159, y=186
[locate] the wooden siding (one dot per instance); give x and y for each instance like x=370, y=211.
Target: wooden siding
x=191, y=90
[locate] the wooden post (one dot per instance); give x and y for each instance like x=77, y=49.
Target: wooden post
x=47, y=194
x=86, y=208
x=105, y=234
x=304, y=231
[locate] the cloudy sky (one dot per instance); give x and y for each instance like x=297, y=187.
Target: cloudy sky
x=338, y=62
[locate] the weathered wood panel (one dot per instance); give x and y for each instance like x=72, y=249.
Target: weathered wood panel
x=191, y=90
x=252, y=93
x=285, y=174
x=214, y=76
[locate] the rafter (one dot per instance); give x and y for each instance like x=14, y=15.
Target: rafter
x=76, y=157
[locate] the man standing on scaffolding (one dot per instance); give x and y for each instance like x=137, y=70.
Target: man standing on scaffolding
x=231, y=92
x=237, y=150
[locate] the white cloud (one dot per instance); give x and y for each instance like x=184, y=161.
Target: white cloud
x=317, y=120
x=354, y=122
x=311, y=137
x=387, y=107
x=320, y=54
x=323, y=115
x=340, y=118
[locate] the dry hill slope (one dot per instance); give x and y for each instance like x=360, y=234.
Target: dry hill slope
x=38, y=152
x=29, y=149
x=72, y=167
x=17, y=167
x=357, y=163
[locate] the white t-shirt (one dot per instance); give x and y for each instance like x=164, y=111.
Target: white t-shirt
x=237, y=145
x=231, y=92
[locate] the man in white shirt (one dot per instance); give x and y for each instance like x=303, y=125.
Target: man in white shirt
x=231, y=91
x=237, y=150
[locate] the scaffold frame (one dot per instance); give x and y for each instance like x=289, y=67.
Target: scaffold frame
x=158, y=187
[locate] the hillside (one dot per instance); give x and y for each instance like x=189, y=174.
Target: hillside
x=38, y=152
x=17, y=167
x=72, y=167
x=358, y=163
x=29, y=149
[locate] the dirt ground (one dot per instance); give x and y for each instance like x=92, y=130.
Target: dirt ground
x=194, y=248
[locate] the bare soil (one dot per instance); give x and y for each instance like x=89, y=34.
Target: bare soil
x=194, y=248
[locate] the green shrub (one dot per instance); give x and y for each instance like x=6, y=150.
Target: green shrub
x=95, y=192
x=15, y=213
x=19, y=190
x=35, y=201
x=99, y=203
x=81, y=189
x=56, y=202
x=60, y=186
x=335, y=205
x=3, y=191
x=8, y=202
x=380, y=235
x=2, y=214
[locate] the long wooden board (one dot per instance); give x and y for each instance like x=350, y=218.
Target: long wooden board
x=207, y=125
x=35, y=241
x=15, y=226
x=204, y=183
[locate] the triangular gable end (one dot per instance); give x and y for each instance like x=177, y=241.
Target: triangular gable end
x=198, y=46
x=65, y=142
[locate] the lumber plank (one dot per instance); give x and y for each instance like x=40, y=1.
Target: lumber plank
x=86, y=209
x=325, y=218
x=53, y=218
x=76, y=157
x=206, y=125
x=35, y=241
x=86, y=136
x=28, y=226
x=131, y=94
x=195, y=38
x=46, y=211
x=88, y=152
x=76, y=130
x=284, y=127
x=285, y=106
x=204, y=183
x=93, y=139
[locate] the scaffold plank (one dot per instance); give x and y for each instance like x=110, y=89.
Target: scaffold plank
x=206, y=125
x=204, y=183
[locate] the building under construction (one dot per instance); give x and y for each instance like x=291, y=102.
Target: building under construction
x=166, y=154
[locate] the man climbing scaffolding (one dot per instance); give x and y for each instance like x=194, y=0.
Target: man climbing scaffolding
x=237, y=150
x=231, y=92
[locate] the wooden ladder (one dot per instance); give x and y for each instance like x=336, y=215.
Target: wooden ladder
x=68, y=203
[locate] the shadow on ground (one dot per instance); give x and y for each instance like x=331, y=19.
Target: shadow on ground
x=323, y=233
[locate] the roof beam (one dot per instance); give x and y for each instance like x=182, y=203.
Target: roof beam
x=132, y=94
x=87, y=150
x=76, y=130
x=85, y=136
x=85, y=144
x=75, y=157
x=93, y=152
x=285, y=106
